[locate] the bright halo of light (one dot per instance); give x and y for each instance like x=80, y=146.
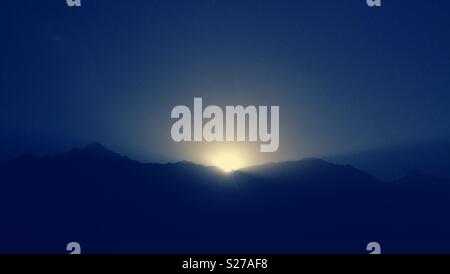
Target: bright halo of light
x=228, y=161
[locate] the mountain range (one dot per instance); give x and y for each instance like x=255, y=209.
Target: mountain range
x=112, y=204
x=392, y=162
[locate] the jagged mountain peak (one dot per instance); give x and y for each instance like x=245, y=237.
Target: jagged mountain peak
x=94, y=150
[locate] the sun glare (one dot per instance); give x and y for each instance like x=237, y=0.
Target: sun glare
x=228, y=161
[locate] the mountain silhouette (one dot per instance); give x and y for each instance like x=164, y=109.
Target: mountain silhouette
x=110, y=203
x=392, y=162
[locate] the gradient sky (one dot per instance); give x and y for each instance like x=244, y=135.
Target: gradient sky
x=346, y=77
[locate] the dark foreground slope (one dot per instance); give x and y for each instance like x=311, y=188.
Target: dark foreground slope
x=109, y=203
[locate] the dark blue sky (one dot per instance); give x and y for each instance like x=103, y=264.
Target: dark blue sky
x=347, y=77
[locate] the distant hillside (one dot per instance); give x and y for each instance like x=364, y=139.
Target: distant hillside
x=391, y=163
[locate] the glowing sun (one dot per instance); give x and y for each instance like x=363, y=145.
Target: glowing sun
x=228, y=161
